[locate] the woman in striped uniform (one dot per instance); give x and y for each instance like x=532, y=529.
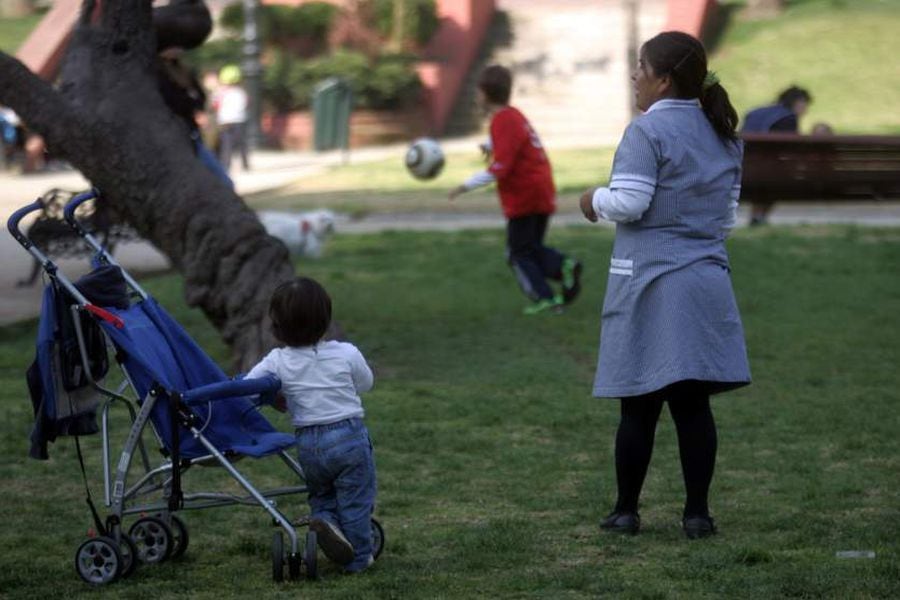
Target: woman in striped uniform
x=671, y=331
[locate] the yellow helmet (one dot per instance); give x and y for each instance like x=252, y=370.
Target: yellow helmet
x=230, y=74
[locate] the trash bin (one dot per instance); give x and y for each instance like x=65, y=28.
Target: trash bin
x=332, y=102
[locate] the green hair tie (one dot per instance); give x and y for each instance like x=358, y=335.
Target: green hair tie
x=710, y=80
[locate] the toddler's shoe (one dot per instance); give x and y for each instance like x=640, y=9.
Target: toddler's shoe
x=332, y=541
x=368, y=564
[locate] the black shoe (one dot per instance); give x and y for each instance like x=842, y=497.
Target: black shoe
x=698, y=527
x=622, y=522
x=571, y=279
x=332, y=542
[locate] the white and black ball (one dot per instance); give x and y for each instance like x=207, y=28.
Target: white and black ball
x=424, y=158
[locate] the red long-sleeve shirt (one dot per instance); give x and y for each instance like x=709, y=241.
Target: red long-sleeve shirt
x=520, y=165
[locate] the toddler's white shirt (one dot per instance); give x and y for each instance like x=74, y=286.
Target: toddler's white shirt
x=321, y=383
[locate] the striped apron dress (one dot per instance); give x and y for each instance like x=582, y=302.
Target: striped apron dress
x=670, y=313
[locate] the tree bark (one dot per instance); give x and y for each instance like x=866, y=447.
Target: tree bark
x=108, y=119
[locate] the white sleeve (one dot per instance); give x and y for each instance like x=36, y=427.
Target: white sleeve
x=264, y=367
x=731, y=219
x=633, y=179
x=363, y=379
x=621, y=205
x=480, y=179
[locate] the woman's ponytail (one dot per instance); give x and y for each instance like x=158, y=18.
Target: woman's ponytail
x=718, y=109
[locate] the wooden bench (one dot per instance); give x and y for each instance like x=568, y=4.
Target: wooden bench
x=780, y=167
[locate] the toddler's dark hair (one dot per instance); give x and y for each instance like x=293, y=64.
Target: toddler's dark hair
x=300, y=311
x=496, y=83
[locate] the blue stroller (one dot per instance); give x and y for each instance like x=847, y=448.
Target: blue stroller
x=197, y=414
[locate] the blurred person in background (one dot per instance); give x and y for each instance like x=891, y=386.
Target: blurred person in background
x=230, y=104
x=781, y=117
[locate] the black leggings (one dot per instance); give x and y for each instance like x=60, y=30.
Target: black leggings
x=697, y=442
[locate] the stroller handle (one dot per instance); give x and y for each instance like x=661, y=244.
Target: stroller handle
x=13, y=222
x=266, y=385
x=71, y=205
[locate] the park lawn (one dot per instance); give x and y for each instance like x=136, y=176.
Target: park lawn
x=14, y=31
x=495, y=464
x=385, y=186
x=843, y=51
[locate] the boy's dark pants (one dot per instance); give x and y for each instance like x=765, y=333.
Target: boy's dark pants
x=530, y=259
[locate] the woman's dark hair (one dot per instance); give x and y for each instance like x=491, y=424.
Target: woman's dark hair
x=683, y=58
x=300, y=311
x=793, y=94
x=496, y=84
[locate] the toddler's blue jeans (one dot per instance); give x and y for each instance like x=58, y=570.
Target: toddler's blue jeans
x=340, y=474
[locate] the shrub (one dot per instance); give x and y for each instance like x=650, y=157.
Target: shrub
x=280, y=25
x=387, y=82
x=420, y=19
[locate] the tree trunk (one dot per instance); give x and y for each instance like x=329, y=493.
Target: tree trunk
x=109, y=121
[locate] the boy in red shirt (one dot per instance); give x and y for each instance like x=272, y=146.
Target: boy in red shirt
x=527, y=195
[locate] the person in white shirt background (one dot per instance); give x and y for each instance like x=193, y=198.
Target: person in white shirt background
x=230, y=103
x=320, y=384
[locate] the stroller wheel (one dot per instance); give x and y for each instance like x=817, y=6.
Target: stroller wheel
x=277, y=557
x=129, y=552
x=153, y=539
x=377, y=539
x=180, y=536
x=98, y=561
x=311, y=557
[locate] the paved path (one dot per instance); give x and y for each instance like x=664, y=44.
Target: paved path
x=272, y=170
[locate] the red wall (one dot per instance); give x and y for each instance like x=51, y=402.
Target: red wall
x=688, y=16
x=450, y=55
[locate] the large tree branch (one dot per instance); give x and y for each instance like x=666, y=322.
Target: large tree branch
x=41, y=107
x=109, y=120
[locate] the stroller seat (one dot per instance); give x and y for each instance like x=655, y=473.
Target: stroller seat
x=158, y=355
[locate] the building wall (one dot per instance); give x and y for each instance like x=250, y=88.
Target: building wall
x=689, y=16
x=451, y=53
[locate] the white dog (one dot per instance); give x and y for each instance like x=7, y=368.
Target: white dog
x=303, y=233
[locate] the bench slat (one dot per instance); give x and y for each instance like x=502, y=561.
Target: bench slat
x=834, y=167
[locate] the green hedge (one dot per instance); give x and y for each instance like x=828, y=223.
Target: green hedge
x=420, y=20
x=280, y=24
x=387, y=82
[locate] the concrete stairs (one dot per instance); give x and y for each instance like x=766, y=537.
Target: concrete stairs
x=570, y=64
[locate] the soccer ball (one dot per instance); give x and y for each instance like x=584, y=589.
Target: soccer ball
x=424, y=158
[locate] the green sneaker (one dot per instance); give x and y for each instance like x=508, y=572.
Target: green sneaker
x=571, y=279
x=552, y=305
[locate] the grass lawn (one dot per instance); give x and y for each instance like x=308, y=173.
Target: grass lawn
x=843, y=51
x=385, y=186
x=14, y=31
x=495, y=464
